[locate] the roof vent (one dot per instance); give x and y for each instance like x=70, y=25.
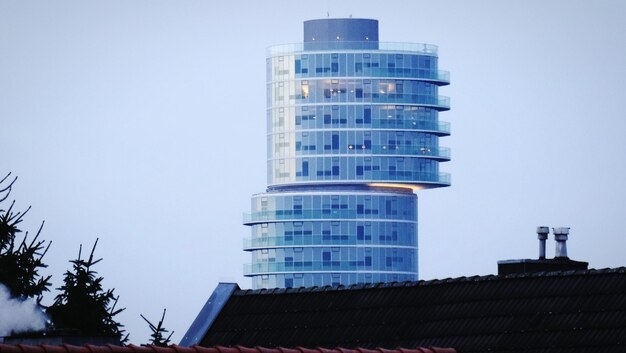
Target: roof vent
x=560, y=235
x=560, y=262
x=542, y=235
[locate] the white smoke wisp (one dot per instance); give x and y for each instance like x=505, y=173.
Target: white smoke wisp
x=18, y=315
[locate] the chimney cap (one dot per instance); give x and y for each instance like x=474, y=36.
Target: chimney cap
x=542, y=232
x=560, y=233
x=561, y=230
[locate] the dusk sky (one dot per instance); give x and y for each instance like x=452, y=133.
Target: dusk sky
x=142, y=123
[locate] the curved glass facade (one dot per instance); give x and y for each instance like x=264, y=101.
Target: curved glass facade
x=352, y=129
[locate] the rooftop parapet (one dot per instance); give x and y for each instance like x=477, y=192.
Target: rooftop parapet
x=291, y=48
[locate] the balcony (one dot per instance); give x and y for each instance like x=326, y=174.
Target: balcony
x=319, y=266
x=264, y=216
x=320, y=240
x=407, y=179
x=438, y=77
x=439, y=128
x=439, y=153
x=409, y=48
x=440, y=103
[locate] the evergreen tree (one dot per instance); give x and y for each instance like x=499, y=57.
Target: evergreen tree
x=20, y=260
x=158, y=332
x=83, y=304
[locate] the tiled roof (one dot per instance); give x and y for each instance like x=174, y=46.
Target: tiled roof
x=66, y=348
x=556, y=312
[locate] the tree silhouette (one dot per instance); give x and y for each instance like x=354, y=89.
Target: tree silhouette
x=20, y=261
x=83, y=304
x=158, y=332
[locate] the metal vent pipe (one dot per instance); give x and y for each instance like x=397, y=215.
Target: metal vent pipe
x=542, y=235
x=560, y=235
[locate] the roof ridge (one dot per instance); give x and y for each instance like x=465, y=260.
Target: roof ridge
x=430, y=282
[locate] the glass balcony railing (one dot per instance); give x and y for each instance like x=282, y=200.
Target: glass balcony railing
x=411, y=179
x=441, y=128
x=320, y=214
x=320, y=240
x=315, y=266
x=439, y=102
x=442, y=153
x=439, y=153
x=291, y=48
x=440, y=77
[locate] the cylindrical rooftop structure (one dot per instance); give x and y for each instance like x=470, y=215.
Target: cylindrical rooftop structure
x=341, y=29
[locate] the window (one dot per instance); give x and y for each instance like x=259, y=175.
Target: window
x=305, y=168
x=360, y=233
x=335, y=141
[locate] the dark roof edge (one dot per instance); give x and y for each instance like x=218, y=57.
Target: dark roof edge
x=68, y=348
x=208, y=314
x=433, y=282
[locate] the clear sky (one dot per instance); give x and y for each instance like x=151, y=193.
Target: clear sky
x=143, y=123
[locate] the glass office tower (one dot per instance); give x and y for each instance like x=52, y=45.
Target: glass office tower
x=352, y=131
